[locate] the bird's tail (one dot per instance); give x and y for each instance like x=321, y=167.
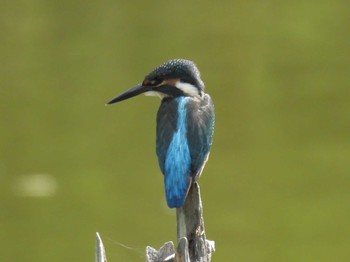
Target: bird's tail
x=176, y=189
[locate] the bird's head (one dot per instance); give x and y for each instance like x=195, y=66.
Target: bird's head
x=178, y=77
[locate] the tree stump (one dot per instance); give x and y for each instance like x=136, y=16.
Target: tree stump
x=192, y=243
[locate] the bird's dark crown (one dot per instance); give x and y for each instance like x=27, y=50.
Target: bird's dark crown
x=178, y=77
x=173, y=71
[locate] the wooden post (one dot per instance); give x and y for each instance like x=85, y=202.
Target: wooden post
x=192, y=243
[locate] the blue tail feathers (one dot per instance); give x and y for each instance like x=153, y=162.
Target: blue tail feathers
x=177, y=175
x=176, y=189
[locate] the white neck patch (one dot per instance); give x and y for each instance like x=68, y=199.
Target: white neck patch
x=155, y=93
x=187, y=88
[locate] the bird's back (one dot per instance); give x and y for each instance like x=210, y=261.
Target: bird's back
x=185, y=128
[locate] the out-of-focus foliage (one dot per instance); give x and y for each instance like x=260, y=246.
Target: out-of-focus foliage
x=276, y=187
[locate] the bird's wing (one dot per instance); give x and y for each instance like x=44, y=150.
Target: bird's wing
x=200, y=121
x=166, y=127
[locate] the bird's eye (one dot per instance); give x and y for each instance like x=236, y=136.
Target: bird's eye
x=151, y=82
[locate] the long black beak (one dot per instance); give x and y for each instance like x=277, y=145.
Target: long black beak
x=134, y=91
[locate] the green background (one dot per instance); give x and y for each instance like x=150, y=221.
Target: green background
x=276, y=187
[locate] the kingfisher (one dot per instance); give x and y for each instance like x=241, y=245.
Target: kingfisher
x=185, y=124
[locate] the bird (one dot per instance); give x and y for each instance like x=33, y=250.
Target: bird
x=185, y=124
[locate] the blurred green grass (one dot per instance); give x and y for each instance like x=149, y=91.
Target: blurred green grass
x=276, y=185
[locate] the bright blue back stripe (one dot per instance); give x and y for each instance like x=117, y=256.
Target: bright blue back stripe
x=178, y=160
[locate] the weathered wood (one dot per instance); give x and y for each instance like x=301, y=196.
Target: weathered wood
x=190, y=225
x=100, y=255
x=182, y=254
x=165, y=254
x=192, y=243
